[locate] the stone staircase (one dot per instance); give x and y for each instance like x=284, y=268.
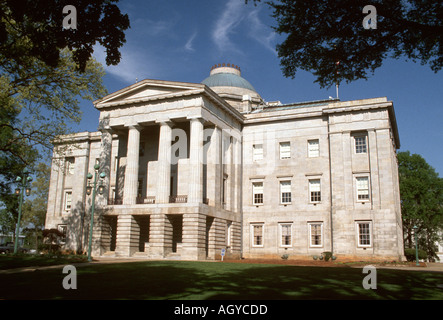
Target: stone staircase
x=173, y=256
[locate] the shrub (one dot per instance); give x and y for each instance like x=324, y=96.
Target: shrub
x=327, y=255
x=50, y=248
x=410, y=254
x=285, y=256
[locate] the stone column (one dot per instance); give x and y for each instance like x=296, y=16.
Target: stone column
x=164, y=162
x=194, y=236
x=128, y=234
x=238, y=175
x=214, y=174
x=105, y=164
x=196, y=162
x=131, y=172
x=160, y=236
x=236, y=240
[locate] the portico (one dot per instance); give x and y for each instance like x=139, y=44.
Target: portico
x=170, y=156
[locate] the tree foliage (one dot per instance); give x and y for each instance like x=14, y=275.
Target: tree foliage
x=46, y=98
x=34, y=208
x=40, y=26
x=39, y=102
x=320, y=33
x=45, y=71
x=421, y=193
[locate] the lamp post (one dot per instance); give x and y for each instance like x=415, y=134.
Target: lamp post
x=416, y=245
x=93, y=188
x=23, y=183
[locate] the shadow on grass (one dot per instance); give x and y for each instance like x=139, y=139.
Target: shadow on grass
x=12, y=261
x=211, y=280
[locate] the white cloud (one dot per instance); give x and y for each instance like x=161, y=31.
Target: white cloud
x=144, y=27
x=189, y=43
x=133, y=64
x=261, y=32
x=235, y=18
x=226, y=24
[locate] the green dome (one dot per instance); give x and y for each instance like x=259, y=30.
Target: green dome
x=227, y=80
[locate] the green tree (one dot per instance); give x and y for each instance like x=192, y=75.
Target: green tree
x=421, y=193
x=45, y=70
x=39, y=27
x=39, y=102
x=7, y=223
x=10, y=168
x=35, y=207
x=320, y=33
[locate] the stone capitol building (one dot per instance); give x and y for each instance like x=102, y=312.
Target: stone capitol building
x=193, y=168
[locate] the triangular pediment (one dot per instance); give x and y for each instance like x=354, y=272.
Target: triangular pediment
x=147, y=90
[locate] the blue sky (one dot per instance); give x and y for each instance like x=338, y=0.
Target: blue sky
x=180, y=40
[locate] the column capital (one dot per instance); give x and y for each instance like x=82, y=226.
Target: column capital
x=106, y=129
x=135, y=126
x=165, y=122
x=196, y=118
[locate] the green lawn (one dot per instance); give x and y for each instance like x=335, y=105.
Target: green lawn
x=215, y=280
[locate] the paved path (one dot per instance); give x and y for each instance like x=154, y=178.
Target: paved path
x=435, y=267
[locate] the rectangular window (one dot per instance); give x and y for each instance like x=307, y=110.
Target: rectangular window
x=257, y=192
x=257, y=152
x=313, y=148
x=364, y=234
x=285, y=191
x=316, y=234
x=286, y=235
x=315, y=190
x=68, y=200
x=360, y=144
x=257, y=235
x=285, y=150
x=362, y=188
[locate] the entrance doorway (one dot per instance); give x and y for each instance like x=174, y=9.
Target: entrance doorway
x=143, y=224
x=209, y=222
x=176, y=221
x=110, y=232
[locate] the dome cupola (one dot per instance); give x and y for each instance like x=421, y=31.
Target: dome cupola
x=226, y=79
